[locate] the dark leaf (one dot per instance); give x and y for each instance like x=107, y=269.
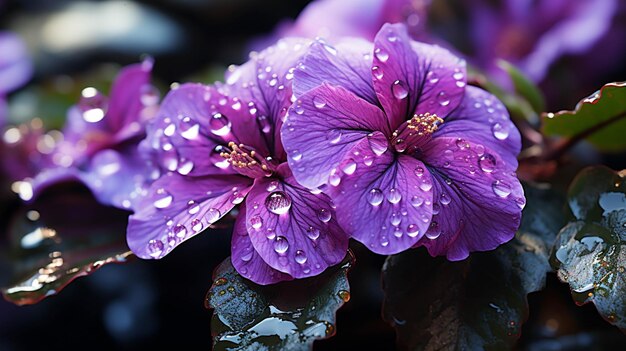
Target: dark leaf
x=479, y=303
x=285, y=316
x=523, y=86
x=63, y=235
x=599, y=119
x=590, y=252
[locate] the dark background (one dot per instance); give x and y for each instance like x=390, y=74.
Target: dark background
x=160, y=303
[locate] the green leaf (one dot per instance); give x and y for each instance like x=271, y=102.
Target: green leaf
x=600, y=119
x=590, y=252
x=475, y=304
x=523, y=86
x=65, y=234
x=285, y=316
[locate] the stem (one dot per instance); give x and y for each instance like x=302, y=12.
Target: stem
x=567, y=144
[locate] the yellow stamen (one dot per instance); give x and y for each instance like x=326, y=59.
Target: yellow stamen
x=424, y=123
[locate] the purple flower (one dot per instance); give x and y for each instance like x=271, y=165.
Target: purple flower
x=98, y=145
x=15, y=67
x=219, y=145
x=409, y=154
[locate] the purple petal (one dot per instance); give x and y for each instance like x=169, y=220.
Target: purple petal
x=323, y=126
x=130, y=94
x=264, y=85
x=415, y=78
x=347, y=64
x=477, y=200
x=293, y=230
x=386, y=205
x=247, y=261
x=481, y=118
x=177, y=208
x=15, y=65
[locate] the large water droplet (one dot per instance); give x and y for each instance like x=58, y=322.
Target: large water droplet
x=256, y=222
x=443, y=99
x=193, y=207
x=334, y=178
x=324, y=215
x=196, y=225
x=399, y=90
x=501, y=188
x=180, y=231
x=349, y=167
x=378, y=143
x=300, y=257
x=313, y=233
x=281, y=245
x=162, y=199
x=189, y=129
x=213, y=215
x=432, y=77
x=185, y=167
x=426, y=184
x=487, y=163
x=395, y=219
x=375, y=197
x=247, y=254
x=416, y=201
x=381, y=55
x=412, y=230
x=377, y=72
x=217, y=159
x=394, y=196
x=445, y=199
x=296, y=155
x=500, y=131
x=155, y=248
x=220, y=125
x=462, y=144
x=333, y=136
x=434, y=231
x=278, y=202
x=264, y=124
x=271, y=186
x=319, y=101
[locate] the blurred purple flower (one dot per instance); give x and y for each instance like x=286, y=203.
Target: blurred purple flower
x=15, y=67
x=98, y=145
x=333, y=19
x=409, y=154
x=220, y=145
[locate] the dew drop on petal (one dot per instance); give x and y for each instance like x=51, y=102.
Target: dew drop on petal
x=271, y=186
x=434, y=231
x=462, y=144
x=501, y=188
x=185, y=167
x=264, y=124
x=398, y=90
x=313, y=233
x=416, y=201
x=426, y=184
x=378, y=143
x=319, y=101
x=412, y=230
x=212, y=215
x=155, y=248
x=381, y=55
x=180, y=231
x=219, y=124
x=334, y=179
x=162, y=199
x=377, y=72
x=256, y=222
x=333, y=136
x=521, y=202
x=375, y=197
x=324, y=215
x=395, y=219
x=246, y=256
x=169, y=130
x=384, y=242
x=394, y=196
x=397, y=232
x=296, y=155
x=189, y=129
x=487, y=163
x=278, y=202
x=281, y=245
x=196, y=225
x=432, y=77
x=193, y=207
x=500, y=131
x=445, y=199
x=300, y=257
x=419, y=171
x=443, y=99
x=349, y=167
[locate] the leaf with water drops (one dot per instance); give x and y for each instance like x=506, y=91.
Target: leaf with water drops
x=599, y=118
x=285, y=316
x=479, y=303
x=590, y=252
x=63, y=235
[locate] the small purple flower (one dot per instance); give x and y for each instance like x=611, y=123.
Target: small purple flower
x=15, y=67
x=98, y=145
x=409, y=154
x=219, y=145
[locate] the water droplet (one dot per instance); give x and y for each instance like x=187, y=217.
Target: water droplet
x=324, y=215
x=458, y=75
x=417, y=201
x=462, y=144
x=398, y=90
x=185, y=167
x=521, y=203
x=334, y=179
x=162, y=199
x=313, y=233
x=278, y=202
x=443, y=99
x=180, y=231
x=169, y=130
x=196, y=225
x=377, y=72
x=189, y=129
x=319, y=101
x=412, y=230
x=271, y=186
x=264, y=124
x=434, y=231
x=501, y=188
x=432, y=77
x=381, y=55
x=281, y=245
x=155, y=248
x=397, y=232
x=426, y=184
x=236, y=198
x=436, y=208
x=449, y=154
x=217, y=159
x=378, y=143
x=296, y=155
x=193, y=207
x=236, y=105
x=487, y=163
x=419, y=171
x=375, y=197
x=344, y=295
x=394, y=196
x=333, y=136
x=395, y=219
x=220, y=125
x=213, y=215
x=480, y=150
x=445, y=199
x=246, y=256
x=349, y=167
x=384, y=242
x=300, y=257
x=256, y=222
x=500, y=131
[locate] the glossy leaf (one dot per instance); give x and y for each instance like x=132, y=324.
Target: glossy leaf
x=475, y=304
x=523, y=86
x=285, y=316
x=63, y=235
x=590, y=252
x=599, y=119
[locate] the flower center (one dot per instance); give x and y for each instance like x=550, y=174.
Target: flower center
x=246, y=161
x=415, y=131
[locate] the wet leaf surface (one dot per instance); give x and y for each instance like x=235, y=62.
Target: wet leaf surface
x=600, y=118
x=285, y=316
x=63, y=235
x=590, y=252
x=475, y=304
